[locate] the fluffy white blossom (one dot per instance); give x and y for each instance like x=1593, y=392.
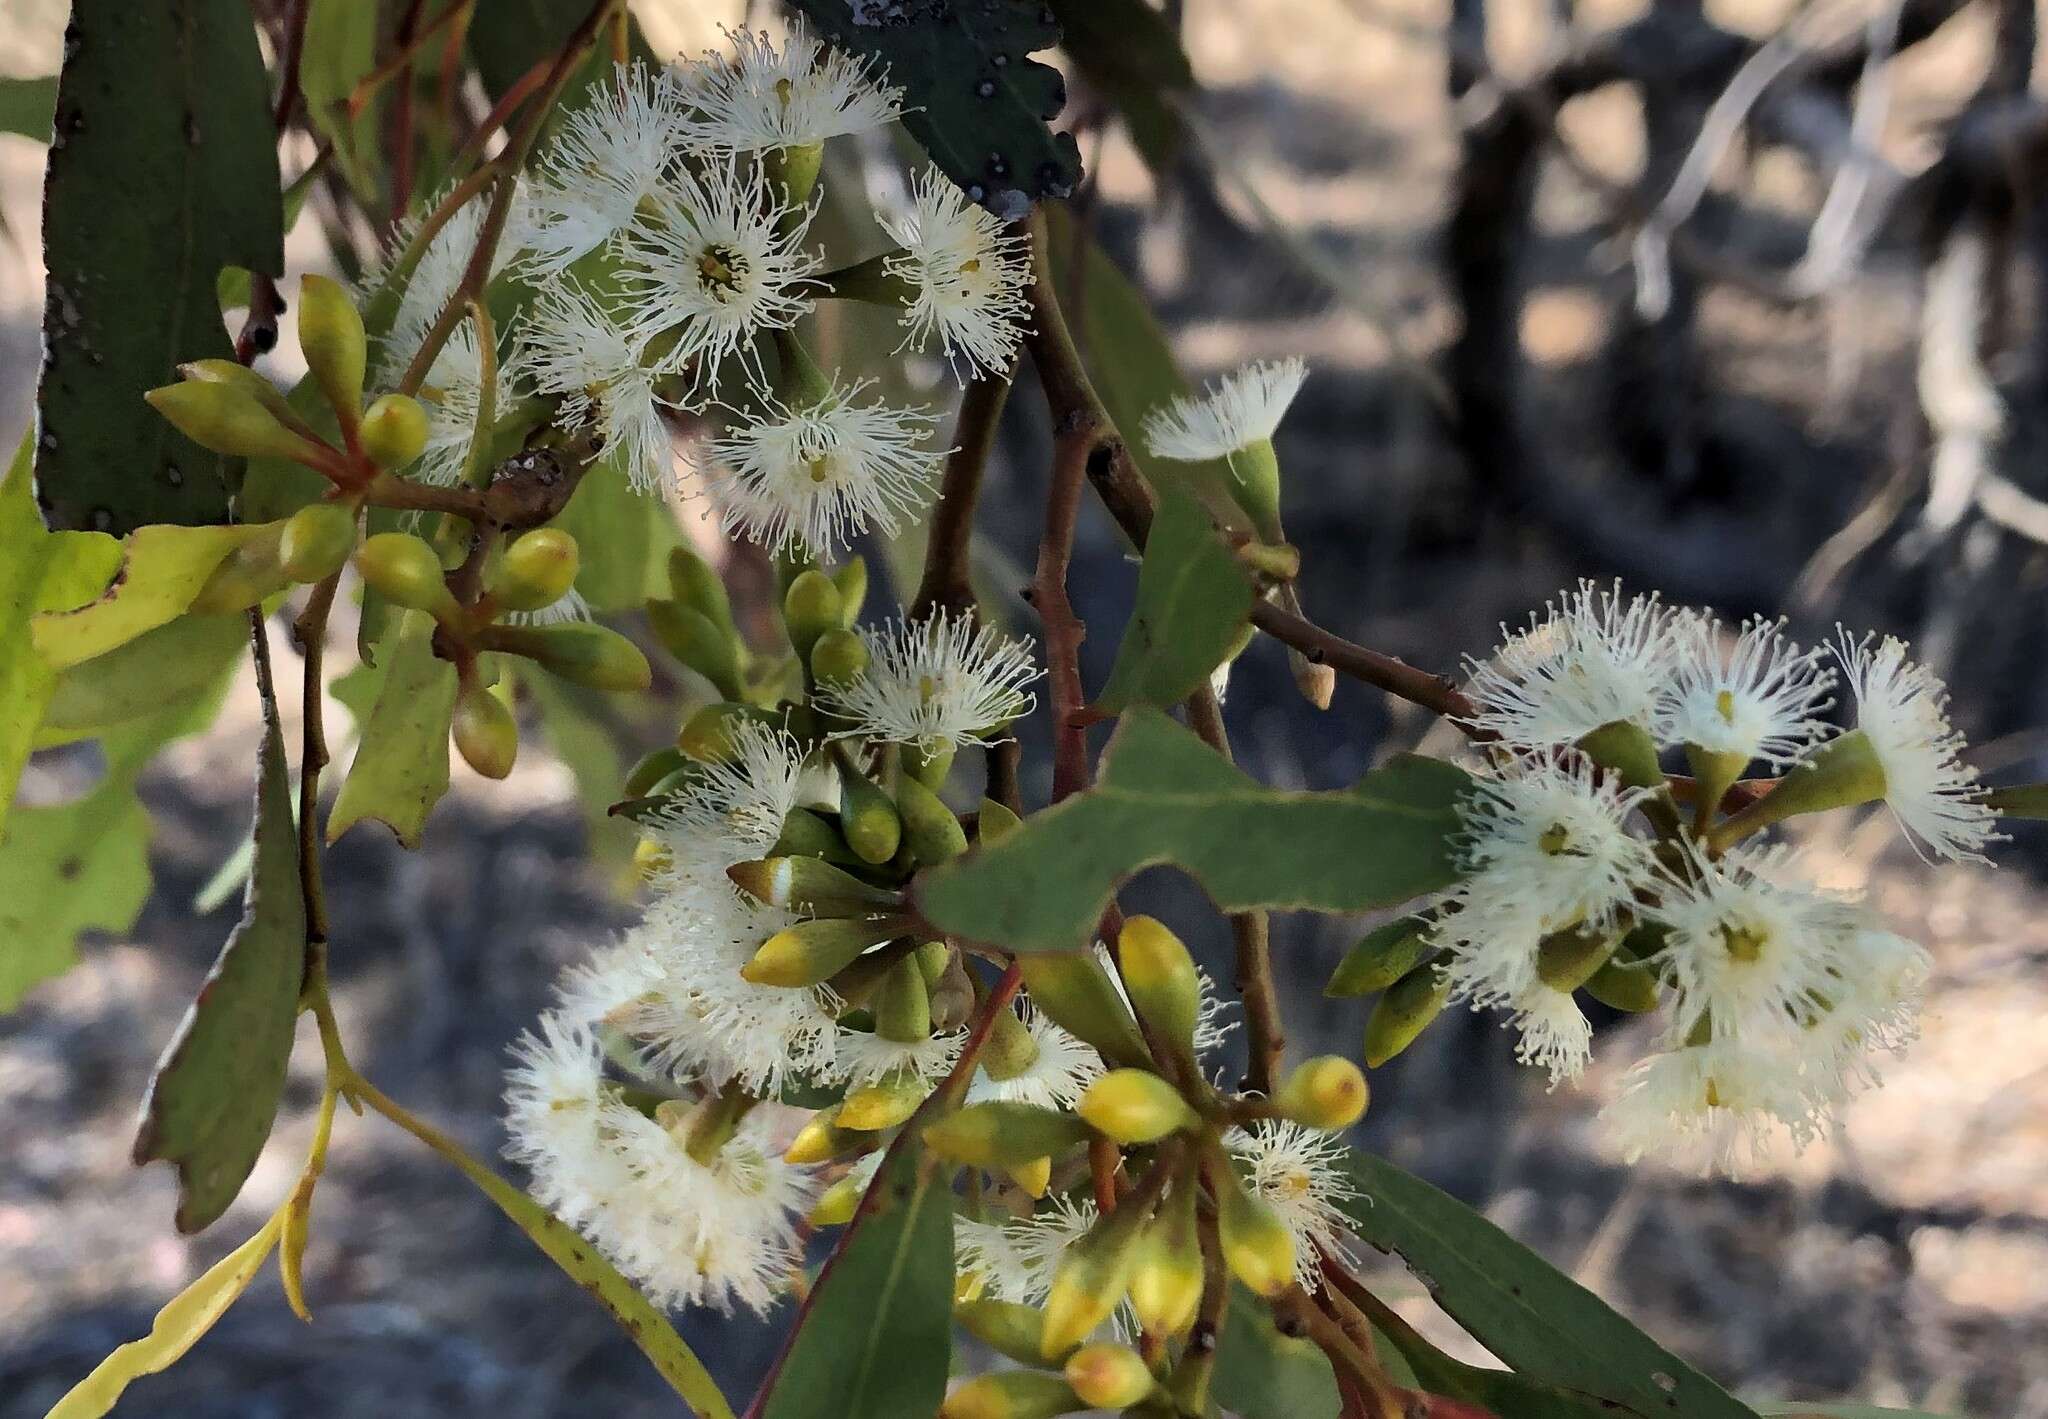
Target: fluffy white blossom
x=1759, y=698
x=864, y=1057
x=1716, y=1105
x=943, y=680
x=569, y=606
x=1299, y=1173
x=451, y=395
x=575, y=349
x=433, y=282
x=1872, y=1008
x=966, y=273
x=734, y=810
x=1592, y=659
x=816, y=475
x=1235, y=412
x=610, y=155
x=1902, y=708
x=759, y=97
x=721, y=259
x=1059, y=1073
x=1748, y=946
x=1014, y=1260
x=1555, y=1034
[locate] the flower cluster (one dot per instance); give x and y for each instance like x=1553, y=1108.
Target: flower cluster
x=1586, y=868
x=666, y=233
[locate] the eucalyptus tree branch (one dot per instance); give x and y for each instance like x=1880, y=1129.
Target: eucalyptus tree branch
x=948, y=583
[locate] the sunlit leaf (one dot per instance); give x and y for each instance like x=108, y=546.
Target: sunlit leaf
x=161, y=569
x=1547, y=1327
x=179, y=1325
x=400, y=769
x=171, y=664
x=1193, y=601
x=1164, y=796
x=875, y=1336
x=217, y=1086
x=162, y=120
x=973, y=95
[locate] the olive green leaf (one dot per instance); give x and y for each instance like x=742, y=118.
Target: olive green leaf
x=162, y=119
x=1262, y=1374
x=161, y=569
x=171, y=665
x=217, y=1087
x=574, y=725
x=1194, y=599
x=178, y=1327
x=340, y=49
x=1546, y=1327
x=2026, y=800
x=1164, y=796
x=26, y=106
x=875, y=1337
x=973, y=95
x=400, y=769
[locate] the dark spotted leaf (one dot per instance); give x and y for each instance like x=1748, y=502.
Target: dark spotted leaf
x=1164, y=796
x=976, y=99
x=1132, y=55
x=217, y=1087
x=163, y=169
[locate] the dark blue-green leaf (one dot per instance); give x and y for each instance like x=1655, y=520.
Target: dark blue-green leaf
x=163, y=169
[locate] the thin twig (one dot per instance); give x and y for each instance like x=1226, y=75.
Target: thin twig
x=948, y=583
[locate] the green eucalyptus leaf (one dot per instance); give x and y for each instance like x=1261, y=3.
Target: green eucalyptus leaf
x=1546, y=1327
x=217, y=1087
x=163, y=120
x=875, y=1337
x=341, y=49
x=623, y=534
x=160, y=570
x=26, y=106
x=1194, y=600
x=973, y=95
x=174, y=664
x=1164, y=796
x=1132, y=365
x=514, y=35
x=400, y=769
x=1262, y=1374
x=1133, y=56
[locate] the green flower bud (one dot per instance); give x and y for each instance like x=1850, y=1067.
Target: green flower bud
x=1566, y=960
x=245, y=576
x=805, y=834
x=233, y=372
x=1091, y=1278
x=698, y=642
x=934, y=834
x=809, y=609
x=317, y=541
x=812, y=952
x=1010, y=1048
x=228, y=418
x=1161, y=978
x=331, y=337
x=1003, y=1134
x=1134, y=1106
x=902, y=1004
x=1257, y=1246
x=1327, y=1092
x=706, y=736
x=485, y=732
x=1166, y=1276
x=1005, y=1327
x=1624, y=985
x=838, y=657
x=405, y=571
x=994, y=822
x=1255, y=486
x=836, y=1204
x=696, y=584
x=873, y=828
x=1402, y=1013
x=394, y=431
x=537, y=570
x=932, y=958
x=929, y=766
x=1034, y=1177
x=651, y=770
x=851, y=577
x=822, y=1139
x=1386, y=954
x=884, y=1104
x=1108, y=1376
x=581, y=651
x=810, y=886
x=1011, y=1394
x=1072, y=988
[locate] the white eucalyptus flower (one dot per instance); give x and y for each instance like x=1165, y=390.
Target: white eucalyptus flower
x=1299, y=1173
x=1872, y=1008
x=1760, y=698
x=1057, y=1076
x=1015, y=1260
x=720, y=261
x=575, y=349
x=1236, y=412
x=734, y=810
x=1713, y=1107
x=760, y=98
x=943, y=680
x=552, y=1102
x=864, y=1057
x=1592, y=659
x=1902, y=708
x=452, y=394
x=1555, y=1033
x=817, y=475
x=433, y=282
x=967, y=274
x=569, y=606
x=609, y=156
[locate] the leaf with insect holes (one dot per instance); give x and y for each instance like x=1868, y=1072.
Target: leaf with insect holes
x=1194, y=601
x=163, y=120
x=217, y=1087
x=972, y=94
x=1166, y=797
